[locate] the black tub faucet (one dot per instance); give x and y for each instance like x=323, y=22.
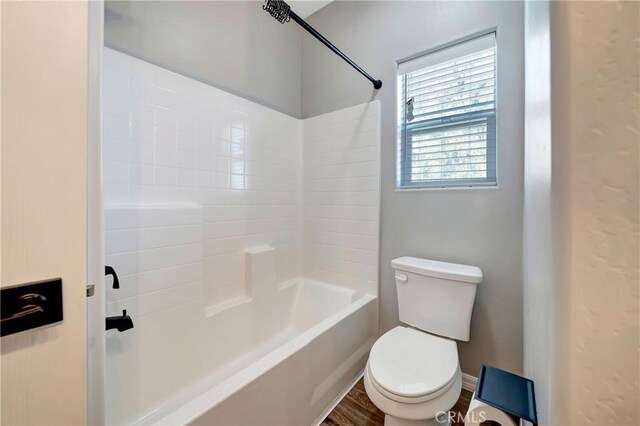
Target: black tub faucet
x=108, y=270
x=120, y=322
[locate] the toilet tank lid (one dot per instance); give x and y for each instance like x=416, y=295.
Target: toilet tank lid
x=434, y=268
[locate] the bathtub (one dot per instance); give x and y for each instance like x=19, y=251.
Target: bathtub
x=281, y=359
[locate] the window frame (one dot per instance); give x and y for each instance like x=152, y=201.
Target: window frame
x=404, y=184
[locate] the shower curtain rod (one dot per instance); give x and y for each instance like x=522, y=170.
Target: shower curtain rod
x=282, y=12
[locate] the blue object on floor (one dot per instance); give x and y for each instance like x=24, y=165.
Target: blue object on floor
x=508, y=392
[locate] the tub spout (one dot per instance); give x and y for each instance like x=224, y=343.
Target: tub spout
x=120, y=322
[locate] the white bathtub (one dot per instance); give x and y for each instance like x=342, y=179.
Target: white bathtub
x=279, y=360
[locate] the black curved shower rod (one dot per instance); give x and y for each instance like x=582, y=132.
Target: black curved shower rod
x=282, y=12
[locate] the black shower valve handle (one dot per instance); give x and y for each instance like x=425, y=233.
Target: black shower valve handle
x=108, y=270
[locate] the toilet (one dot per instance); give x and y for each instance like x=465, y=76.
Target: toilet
x=413, y=373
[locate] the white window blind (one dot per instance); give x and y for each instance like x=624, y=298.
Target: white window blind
x=447, y=116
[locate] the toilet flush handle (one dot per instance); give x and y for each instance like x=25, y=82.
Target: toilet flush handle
x=402, y=278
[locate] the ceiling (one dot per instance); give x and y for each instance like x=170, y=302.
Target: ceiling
x=305, y=8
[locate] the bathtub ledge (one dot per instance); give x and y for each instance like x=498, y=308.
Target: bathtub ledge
x=213, y=310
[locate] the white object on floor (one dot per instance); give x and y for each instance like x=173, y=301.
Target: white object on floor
x=480, y=412
x=414, y=376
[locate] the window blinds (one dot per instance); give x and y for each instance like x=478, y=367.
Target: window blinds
x=447, y=116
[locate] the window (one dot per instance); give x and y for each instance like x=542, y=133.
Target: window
x=447, y=116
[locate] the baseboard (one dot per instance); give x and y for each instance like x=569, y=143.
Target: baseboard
x=469, y=382
x=336, y=401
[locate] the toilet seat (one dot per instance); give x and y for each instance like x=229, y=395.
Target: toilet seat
x=405, y=400
x=410, y=366
x=422, y=413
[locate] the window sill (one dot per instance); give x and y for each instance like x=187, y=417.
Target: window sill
x=447, y=188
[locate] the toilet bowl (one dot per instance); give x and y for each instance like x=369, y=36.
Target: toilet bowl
x=413, y=377
x=413, y=373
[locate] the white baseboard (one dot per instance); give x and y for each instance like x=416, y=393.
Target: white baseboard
x=469, y=382
x=336, y=401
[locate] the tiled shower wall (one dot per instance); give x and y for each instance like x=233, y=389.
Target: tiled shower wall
x=170, y=141
x=157, y=252
x=193, y=177
x=342, y=196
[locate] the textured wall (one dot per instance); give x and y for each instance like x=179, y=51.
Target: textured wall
x=480, y=227
x=232, y=45
x=595, y=57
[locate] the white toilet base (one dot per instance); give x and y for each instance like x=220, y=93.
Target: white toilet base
x=394, y=421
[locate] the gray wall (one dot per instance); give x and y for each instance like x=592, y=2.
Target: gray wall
x=234, y=46
x=481, y=227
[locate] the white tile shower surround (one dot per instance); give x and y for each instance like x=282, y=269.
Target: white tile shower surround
x=157, y=253
x=171, y=140
x=194, y=177
x=181, y=350
x=341, y=197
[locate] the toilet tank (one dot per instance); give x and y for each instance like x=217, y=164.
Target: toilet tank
x=436, y=297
